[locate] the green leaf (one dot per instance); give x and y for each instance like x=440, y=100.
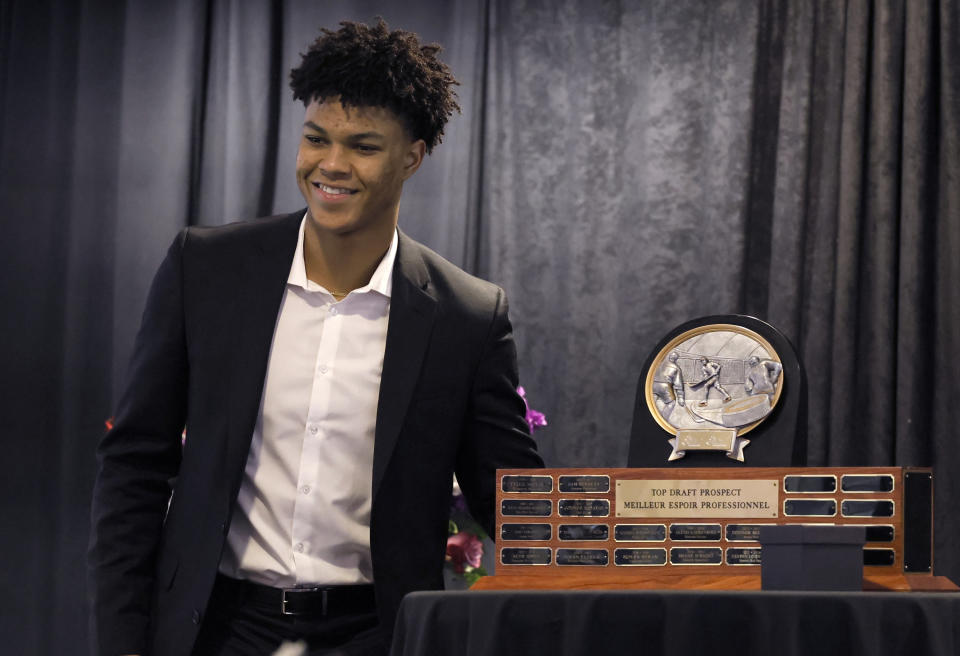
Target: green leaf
x=473, y=574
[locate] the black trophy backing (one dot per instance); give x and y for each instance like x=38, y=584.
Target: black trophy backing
x=717, y=385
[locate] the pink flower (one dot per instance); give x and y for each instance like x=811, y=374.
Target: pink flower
x=463, y=549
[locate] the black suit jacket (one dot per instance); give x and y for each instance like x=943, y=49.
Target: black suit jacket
x=447, y=403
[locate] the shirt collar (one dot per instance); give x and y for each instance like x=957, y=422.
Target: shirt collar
x=381, y=281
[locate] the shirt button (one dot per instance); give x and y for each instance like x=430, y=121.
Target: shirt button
x=323, y=368
x=299, y=547
x=196, y=616
x=333, y=310
x=305, y=489
x=314, y=429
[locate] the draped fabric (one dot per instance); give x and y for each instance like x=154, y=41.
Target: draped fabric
x=619, y=167
x=651, y=162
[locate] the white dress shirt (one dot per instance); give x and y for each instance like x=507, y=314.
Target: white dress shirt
x=303, y=512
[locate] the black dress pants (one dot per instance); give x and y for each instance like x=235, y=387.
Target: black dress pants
x=236, y=625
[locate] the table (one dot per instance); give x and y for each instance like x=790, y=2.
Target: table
x=677, y=623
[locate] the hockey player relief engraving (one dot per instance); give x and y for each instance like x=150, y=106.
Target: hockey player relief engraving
x=711, y=385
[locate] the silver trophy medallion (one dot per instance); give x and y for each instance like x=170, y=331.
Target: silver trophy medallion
x=711, y=385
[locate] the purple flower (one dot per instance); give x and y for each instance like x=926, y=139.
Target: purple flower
x=535, y=418
x=458, y=504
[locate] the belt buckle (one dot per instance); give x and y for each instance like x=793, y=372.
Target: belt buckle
x=283, y=600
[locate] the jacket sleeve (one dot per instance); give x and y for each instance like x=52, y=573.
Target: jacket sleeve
x=137, y=459
x=496, y=435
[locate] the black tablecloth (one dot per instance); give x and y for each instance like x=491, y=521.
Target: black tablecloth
x=675, y=623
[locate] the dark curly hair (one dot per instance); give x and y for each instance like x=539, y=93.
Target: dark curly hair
x=370, y=66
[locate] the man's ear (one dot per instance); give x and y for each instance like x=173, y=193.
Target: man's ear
x=413, y=158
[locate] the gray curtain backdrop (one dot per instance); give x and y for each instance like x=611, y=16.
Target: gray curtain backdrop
x=619, y=167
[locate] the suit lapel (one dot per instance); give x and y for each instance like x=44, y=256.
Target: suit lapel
x=412, y=311
x=262, y=279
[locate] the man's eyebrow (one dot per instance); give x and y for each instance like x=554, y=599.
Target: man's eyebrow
x=353, y=137
x=366, y=135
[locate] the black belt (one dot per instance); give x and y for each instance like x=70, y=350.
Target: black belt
x=319, y=602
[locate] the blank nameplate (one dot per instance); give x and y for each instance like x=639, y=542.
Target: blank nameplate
x=877, y=532
x=866, y=483
x=879, y=557
x=809, y=507
x=805, y=483
x=867, y=508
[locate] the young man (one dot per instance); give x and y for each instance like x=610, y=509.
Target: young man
x=332, y=375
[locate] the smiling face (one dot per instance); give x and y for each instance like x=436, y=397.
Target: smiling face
x=351, y=167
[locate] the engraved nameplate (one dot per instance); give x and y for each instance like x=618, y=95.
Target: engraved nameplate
x=533, y=483
x=640, y=557
x=531, y=532
x=809, y=507
x=696, y=556
x=801, y=484
x=866, y=483
x=640, y=532
x=697, y=498
x=696, y=532
x=594, y=557
x=744, y=532
x=584, y=483
x=583, y=531
x=526, y=507
x=743, y=556
x=867, y=508
x=525, y=556
x=584, y=507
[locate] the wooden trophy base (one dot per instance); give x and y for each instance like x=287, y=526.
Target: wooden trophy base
x=659, y=581
x=701, y=528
